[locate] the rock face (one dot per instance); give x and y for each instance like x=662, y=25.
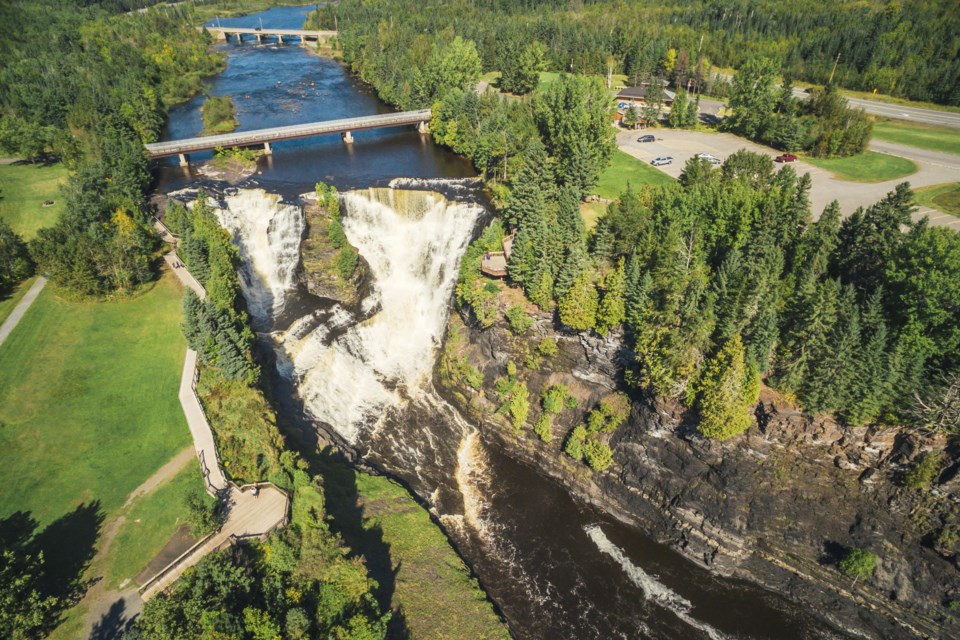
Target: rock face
x=778, y=505
x=318, y=261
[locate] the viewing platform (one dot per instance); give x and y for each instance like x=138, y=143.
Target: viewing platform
x=345, y=127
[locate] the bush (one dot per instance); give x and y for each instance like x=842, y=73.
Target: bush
x=924, y=472
x=518, y=320
x=859, y=563
x=203, y=513
x=574, y=445
x=598, y=455
x=554, y=398
x=609, y=414
x=548, y=347
x=544, y=427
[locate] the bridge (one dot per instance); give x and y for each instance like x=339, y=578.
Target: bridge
x=300, y=35
x=266, y=137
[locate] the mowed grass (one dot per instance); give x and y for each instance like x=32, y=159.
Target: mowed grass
x=866, y=167
x=625, y=168
x=9, y=302
x=942, y=197
x=88, y=400
x=150, y=522
x=23, y=188
x=405, y=550
x=945, y=139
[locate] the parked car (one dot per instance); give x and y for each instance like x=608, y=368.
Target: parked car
x=712, y=159
x=647, y=138
x=662, y=160
x=786, y=157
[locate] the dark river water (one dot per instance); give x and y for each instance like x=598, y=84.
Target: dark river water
x=555, y=567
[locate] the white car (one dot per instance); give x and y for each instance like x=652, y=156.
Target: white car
x=662, y=160
x=712, y=159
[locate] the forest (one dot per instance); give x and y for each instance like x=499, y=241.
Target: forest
x=907, y=49
x=83, y=85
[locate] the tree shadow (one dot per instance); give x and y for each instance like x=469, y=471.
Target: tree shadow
x=113, y=624
x=67, y=546
x=342, y=496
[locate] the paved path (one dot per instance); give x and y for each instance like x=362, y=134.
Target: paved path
x=21, y=308
x=934, y=168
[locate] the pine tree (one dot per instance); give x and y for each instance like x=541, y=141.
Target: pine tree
x=578, y=308
x=871, y=387
x=611, y=311
x=828, y=384
x=574, y=265
x=637, y=294
x=570, y=229
x=725, y=391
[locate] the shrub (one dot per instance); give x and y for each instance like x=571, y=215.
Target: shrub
x=473, y=376
x=544, y=427
x=518, y=320
x=574, y=445
x=554, y=398
x=203, y=513
x=598, y=455
x=924, y=472
x=548, y=347
x=859, y=563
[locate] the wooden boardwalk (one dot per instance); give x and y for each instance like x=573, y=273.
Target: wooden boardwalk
x=247, y=515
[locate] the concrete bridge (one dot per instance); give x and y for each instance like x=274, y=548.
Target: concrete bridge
x=290, y=35
x=344, y=127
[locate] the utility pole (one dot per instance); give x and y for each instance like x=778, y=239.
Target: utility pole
x=835, y=63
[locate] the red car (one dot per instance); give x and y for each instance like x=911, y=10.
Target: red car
x=787, y=157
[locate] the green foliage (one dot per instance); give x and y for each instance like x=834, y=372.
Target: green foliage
x=219, y=115
x=555, y=398
x=514, y=397
x=544, y=427
x=609, y=414
x=922, y=475
x=453, y=66
x=518, y=320
x=578, y=308
x=472, y=291
x=548, y=347
x=574, y=446
x=299, y=581
x=858, y=563
x=204, y=515
x=597, y=454
x=725, y=392
x=15, y=263
x=520, y=73
x=25, y=609
x=612, y=312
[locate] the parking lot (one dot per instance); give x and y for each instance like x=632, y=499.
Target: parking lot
x=934, y=167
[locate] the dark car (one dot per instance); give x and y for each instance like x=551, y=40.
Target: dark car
x=786, y=157
x=647, y=138
x=662, y=160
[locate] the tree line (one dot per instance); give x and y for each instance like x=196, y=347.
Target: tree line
x=907, y=49
x=87, y=87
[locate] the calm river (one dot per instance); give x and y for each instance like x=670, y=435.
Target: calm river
x=555, y=567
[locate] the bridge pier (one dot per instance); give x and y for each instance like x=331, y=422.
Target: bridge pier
x=422, y=127
x=259, y=39
x=267, y=149
x=348, y=137
x=184, y=160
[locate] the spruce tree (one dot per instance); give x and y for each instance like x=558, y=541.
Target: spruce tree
x=611, y=311
x=725, y=391
x=578, y=308
x=828, y=385
x=870, y=387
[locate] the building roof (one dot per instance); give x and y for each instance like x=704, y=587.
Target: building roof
x=640, y=93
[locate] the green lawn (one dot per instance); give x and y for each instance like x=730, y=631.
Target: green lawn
x=945, y=139
x=149, y=523
x=23, y=188
x=406, y=550
x=942, y=197
x=8, y=303
x=625, y=168
x=88, y=400
x=591, y=212
x=869, y=166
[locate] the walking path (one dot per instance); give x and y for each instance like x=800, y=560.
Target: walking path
x=21, y=308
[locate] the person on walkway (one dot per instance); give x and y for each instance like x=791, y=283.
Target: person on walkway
x=256, y=491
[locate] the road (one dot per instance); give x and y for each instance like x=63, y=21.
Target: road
x=933, y=168
x=14, y=318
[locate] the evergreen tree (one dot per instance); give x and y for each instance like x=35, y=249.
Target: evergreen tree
x=725, y=392
x=611, y=311
x=678, y=110
x=578, y=308
x=828, y=384
x=574, y=265
x=871, y=384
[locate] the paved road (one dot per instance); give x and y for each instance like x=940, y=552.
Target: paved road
x=21, y=308
x=934, y=168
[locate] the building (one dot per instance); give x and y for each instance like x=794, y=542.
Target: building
x=638, y=96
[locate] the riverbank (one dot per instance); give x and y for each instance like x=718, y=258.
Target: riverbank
x=777, y=506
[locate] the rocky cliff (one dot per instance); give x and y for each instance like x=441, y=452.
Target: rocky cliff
x=778, y=505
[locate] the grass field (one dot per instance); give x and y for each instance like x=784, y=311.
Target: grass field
x=945, y=139
x=149, y=523
x=23, y=188
x=869, y=166
x=409, y=556
x=625, y=168
x=88, y=401
x=942, y=197
x=8, y=303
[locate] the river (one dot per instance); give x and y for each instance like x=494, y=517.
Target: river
x=554, y=566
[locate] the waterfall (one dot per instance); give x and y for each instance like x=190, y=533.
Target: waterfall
x=267, y=234
x=412, y=242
